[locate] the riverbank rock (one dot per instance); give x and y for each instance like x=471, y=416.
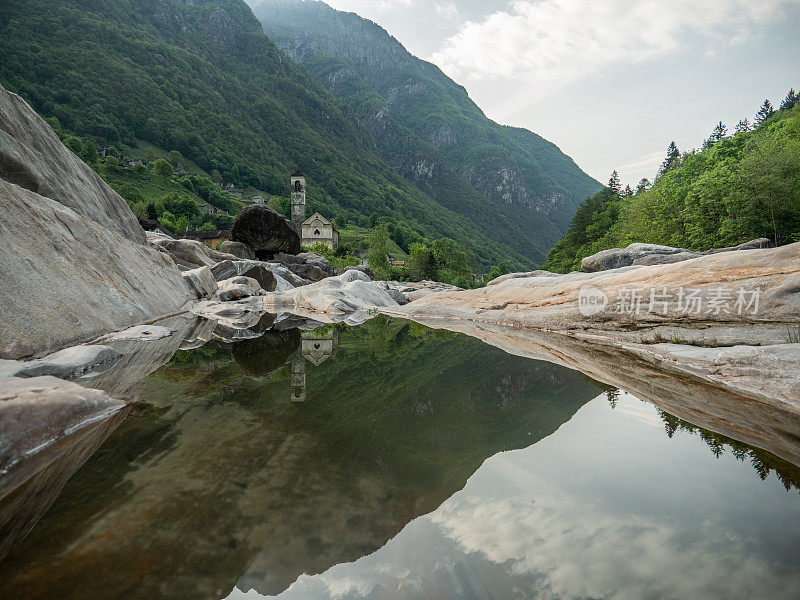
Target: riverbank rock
x=260, y=271
x=363, y=268
x=307, y=265
x=724, y=291
x=537, y=273
x=75, y=263
x=77, y=361
x=265, y=232
x=200, y=281
x=238, y=287
x=238, y=249
x=614, y=258
x=654, y=254
x=351, y=292
x=187, y=254
x=32, y=157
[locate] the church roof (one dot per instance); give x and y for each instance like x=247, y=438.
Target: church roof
x=316, y=215
x=297, y=174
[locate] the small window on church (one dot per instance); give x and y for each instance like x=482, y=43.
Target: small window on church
x=298, y=187
x=316, y=232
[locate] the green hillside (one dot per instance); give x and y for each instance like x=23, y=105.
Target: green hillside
x=738, y=188
x=200, y=77
x=516, y=185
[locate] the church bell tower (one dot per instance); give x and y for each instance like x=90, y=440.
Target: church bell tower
x=298, y=195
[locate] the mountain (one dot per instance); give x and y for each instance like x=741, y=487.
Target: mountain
x=201, y=77
x=516, y=185
x=736, y=189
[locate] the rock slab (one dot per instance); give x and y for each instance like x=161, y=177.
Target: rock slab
x=75, y=263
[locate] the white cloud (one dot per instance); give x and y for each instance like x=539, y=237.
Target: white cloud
x=446, y=9
x=549, y=43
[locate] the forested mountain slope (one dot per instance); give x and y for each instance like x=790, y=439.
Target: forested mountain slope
x=515, y=184
x=201, y=77
x=738, y=188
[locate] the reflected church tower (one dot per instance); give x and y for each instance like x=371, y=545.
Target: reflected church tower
x=315, y=348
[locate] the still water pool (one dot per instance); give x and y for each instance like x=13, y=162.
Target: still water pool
x=393, y=461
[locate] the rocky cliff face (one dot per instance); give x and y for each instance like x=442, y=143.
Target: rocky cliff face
x=74, y=261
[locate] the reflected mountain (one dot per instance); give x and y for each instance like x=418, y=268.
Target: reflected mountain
x=285, y=454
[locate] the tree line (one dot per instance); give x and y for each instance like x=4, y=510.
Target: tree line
x=738, y=186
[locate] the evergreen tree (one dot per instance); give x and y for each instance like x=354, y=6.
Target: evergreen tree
x=673, y=158
x=614, y=183
x=790, y=100
x=643, y=185
x=627, y=192
x=720, y=131
x=743, y=126
x=765, y=112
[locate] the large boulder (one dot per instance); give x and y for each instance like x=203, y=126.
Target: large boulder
x=75, y=263
x=614, y=258
x=249, y=268
x=653, y=254
x=265, y=231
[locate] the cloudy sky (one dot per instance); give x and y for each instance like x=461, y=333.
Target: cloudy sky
x=612, y=82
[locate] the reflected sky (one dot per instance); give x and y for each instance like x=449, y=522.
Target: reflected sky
x=606, y=507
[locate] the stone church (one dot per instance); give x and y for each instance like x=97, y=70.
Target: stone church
x=316, y=229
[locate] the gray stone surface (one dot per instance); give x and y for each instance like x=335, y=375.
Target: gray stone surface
x=187, y=254
x=32, y=157
x=74, y=260
x=653, y=254
x=260, y=271
x=238, y=249
x=537, y=273
x=351, y=292
x=67, y=279
x=76, y=361
x=363, y=268
x=265, y=231
x=36, y=412
x=615, y=258
x=200, y=281
x=307, y=265
x=238, y=287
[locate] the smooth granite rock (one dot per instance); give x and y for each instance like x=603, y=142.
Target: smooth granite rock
x=653, y=254
x=537, y=273
x=200, y=281
x=187, y=254
x=307, y=265
x=74, y=262
x=77, y=361
x=615, y=258
x=32, y=157
x=238, y=287
x=265, y=231
x=260, y=271
x=238, y=249
x=36, y=412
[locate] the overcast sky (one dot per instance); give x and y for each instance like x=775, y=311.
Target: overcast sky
x=611, y=82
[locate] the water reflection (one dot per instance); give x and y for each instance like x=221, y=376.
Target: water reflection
x=607, y=507
x=220, y=478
